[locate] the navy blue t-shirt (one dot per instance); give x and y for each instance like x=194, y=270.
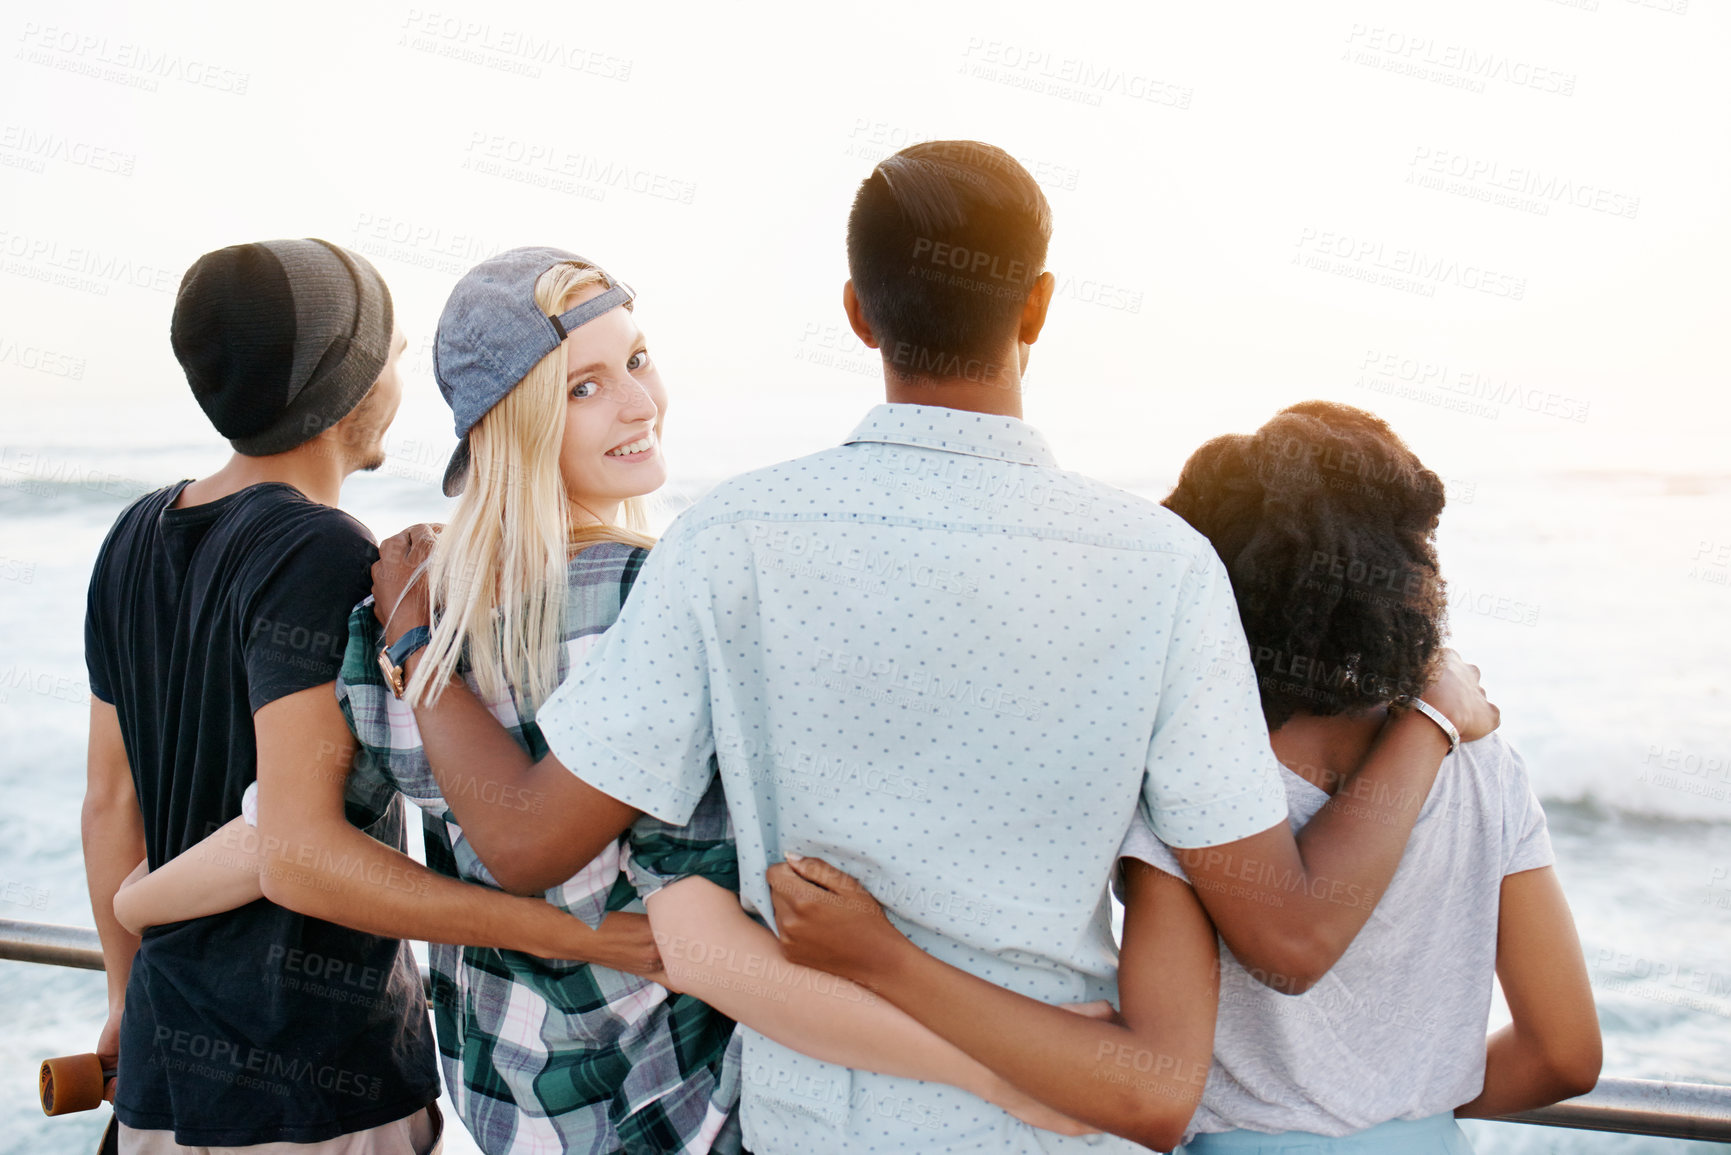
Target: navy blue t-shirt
x=257, y=1025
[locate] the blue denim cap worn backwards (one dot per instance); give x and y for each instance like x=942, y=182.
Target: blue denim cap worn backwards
x=492, y=333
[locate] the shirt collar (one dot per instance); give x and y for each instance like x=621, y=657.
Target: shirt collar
x=955, y=431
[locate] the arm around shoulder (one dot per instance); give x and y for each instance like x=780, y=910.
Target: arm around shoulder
x=1289, y=906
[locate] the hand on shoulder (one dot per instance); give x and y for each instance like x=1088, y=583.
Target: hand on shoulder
x=1456, y=692
x=399, y=584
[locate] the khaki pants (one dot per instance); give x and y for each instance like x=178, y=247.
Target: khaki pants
x=422, y=1133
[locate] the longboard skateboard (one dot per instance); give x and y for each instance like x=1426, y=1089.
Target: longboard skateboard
x=74, y=1083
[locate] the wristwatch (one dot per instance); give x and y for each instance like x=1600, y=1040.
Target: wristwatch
x=392, y=657
x=1429, y=711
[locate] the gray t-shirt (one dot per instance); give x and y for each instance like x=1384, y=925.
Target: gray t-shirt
x=1396, y=1030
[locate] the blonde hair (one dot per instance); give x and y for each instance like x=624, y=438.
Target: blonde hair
x=497, y=572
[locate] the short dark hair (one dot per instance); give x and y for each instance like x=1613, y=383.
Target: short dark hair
x=944, y=243
x=1326, y=522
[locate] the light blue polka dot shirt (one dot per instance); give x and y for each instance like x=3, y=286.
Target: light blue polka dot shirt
x=954, y=670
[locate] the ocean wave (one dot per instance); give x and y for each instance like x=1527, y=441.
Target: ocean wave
x=51, y=497
x=1590, y=808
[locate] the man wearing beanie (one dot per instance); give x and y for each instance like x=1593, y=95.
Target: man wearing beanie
x=216, y=624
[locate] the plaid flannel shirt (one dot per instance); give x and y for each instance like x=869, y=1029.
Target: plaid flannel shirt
x=551, y=1056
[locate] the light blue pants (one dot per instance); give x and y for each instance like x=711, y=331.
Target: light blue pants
x=1437, y=1135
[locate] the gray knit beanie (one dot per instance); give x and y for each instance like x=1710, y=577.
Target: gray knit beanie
x=280, y=339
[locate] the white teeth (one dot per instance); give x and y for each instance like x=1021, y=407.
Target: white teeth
x=634, y=447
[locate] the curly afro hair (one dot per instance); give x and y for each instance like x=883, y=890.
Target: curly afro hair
x=1326, y=522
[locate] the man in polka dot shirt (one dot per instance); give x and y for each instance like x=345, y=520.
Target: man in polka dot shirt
x=934, y=659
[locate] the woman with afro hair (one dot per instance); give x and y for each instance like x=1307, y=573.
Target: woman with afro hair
x=1326, y=523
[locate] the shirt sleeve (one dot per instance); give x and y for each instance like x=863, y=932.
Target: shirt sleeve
x=633, y=720
x=296, y=621
x=95, y=650
x=1211, y=776
x=1142, y=844
x=1526, y=837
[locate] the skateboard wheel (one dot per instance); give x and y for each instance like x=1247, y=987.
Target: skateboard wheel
x=70, y=1083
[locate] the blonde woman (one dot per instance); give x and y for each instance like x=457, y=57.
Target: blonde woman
x=559, y=409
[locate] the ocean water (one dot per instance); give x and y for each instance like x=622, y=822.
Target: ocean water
x=1597, y=603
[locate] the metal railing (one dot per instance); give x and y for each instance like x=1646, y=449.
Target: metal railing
x=1634, y=1106
x=68, y=946
x=45, y=942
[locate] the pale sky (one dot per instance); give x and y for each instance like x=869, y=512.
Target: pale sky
x=1513, y=207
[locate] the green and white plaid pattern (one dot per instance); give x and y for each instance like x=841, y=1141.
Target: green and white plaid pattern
x=548, y=1056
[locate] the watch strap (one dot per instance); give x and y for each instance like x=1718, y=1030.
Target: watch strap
x=399, y=650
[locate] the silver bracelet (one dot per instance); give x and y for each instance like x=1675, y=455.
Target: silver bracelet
x=1441, y=719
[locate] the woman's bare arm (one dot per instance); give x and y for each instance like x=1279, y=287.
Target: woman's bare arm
x=711, y=949
x=220, y=873
x=1552, y=1050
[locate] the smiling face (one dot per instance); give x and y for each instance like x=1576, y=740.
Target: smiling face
x=614, y=404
